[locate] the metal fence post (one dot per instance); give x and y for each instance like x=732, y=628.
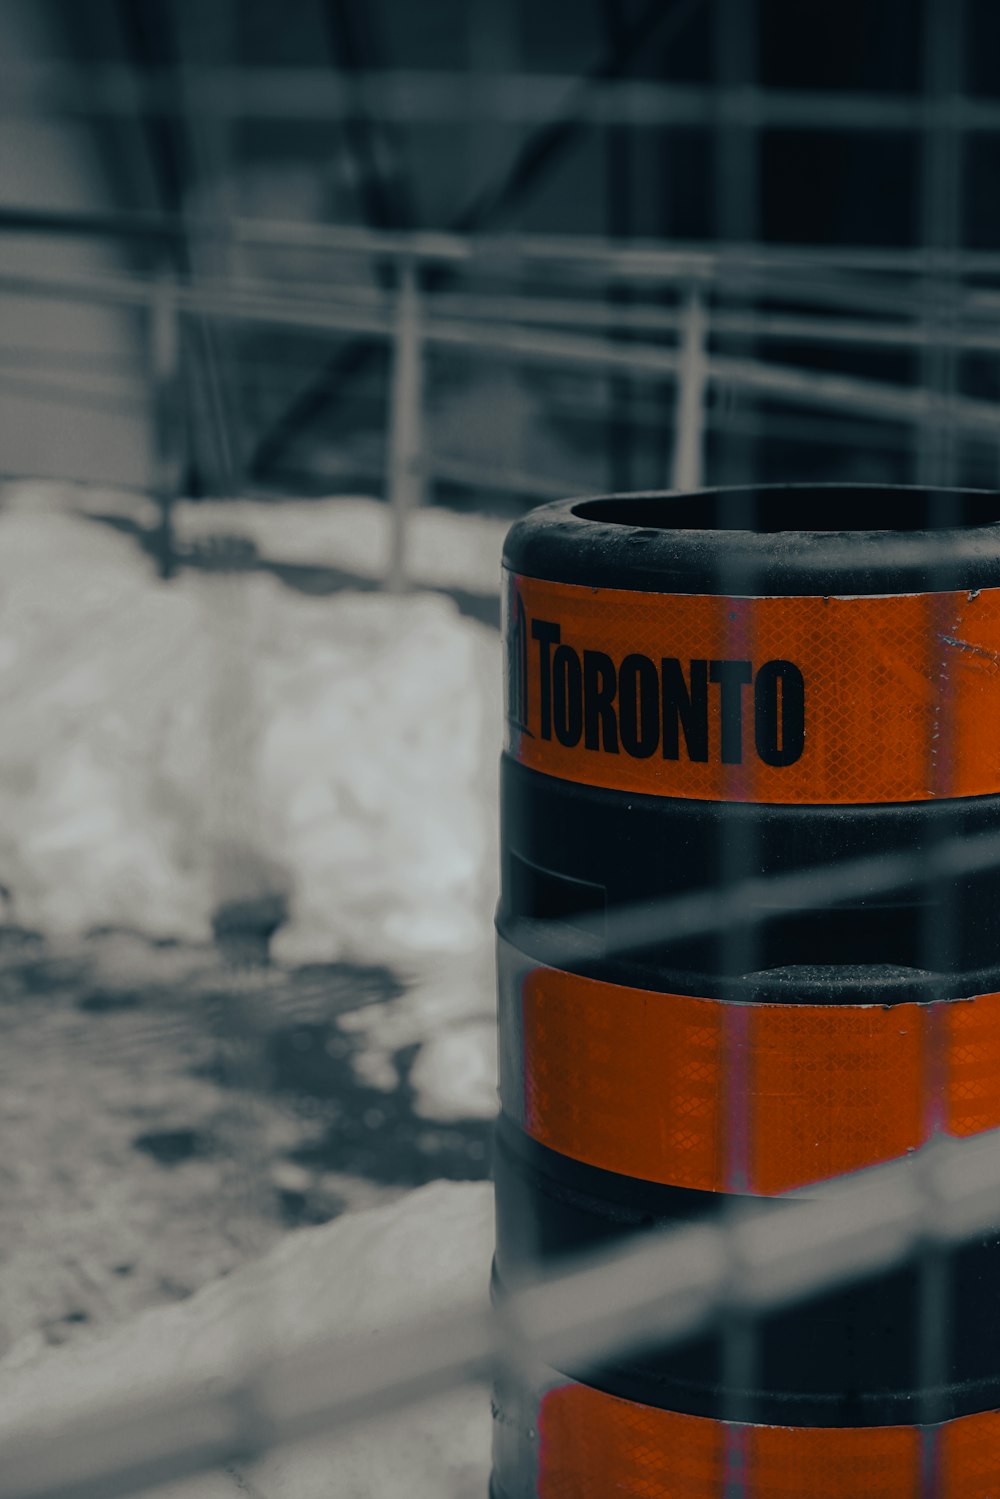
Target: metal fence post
x=164, y=360
x=406, y=482
x=942, y=158
x=692, y=380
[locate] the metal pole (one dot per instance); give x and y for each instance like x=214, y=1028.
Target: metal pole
x=689, y=438
x=210, y=195
x=937, y=457
x=406, y=484
x=619, y=190
x=736, y=211
x=164, y=358
x=944, y=35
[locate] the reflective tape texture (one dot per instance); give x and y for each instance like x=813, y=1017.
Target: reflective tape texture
x=758, y=1098
x=803, y=700
x=592, y=1445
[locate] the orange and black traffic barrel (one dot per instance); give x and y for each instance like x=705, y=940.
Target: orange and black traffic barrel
x=805, y=675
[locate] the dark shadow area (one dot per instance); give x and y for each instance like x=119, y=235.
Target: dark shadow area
x=364, y=1130
x=315, y=580
x=171, y=1147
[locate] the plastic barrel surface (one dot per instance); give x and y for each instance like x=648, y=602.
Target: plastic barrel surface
x=702, y=689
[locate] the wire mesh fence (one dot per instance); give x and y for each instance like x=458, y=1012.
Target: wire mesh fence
x=718, y=1275
x=713, y=343
x=668, y=1286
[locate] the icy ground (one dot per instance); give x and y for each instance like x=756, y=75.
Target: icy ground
x=362, y=1275
x=143, y=1158
x=171, y=747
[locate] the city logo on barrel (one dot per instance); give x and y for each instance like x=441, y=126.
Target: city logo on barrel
x=631, y=703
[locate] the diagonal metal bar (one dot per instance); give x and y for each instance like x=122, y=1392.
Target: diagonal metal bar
x=372, y=144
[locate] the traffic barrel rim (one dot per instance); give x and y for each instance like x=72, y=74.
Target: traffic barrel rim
x=704, y=646
x=915, y=539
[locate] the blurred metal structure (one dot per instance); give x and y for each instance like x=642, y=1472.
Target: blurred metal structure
x=677, y=320
x=280, y=323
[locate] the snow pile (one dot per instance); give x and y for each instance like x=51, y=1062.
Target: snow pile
x=168, y=746
x=454, y=1074
x=449, y=1010
x=363, y=1274
x=442, y=550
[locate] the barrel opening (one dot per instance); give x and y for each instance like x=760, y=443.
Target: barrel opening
x=797, y=508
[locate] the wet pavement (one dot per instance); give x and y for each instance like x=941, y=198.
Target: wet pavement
x=166, y=1117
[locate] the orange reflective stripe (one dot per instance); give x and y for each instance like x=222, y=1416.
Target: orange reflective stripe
x=877, y=1462
x=972, y=1052
x=594, y=1445
x=698, y=696
x=831, y=1088
x=623, y=1078
x=657, y=1086
x=969, y=1457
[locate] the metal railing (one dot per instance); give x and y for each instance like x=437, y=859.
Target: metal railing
x=434, y=96
x=680, y=330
